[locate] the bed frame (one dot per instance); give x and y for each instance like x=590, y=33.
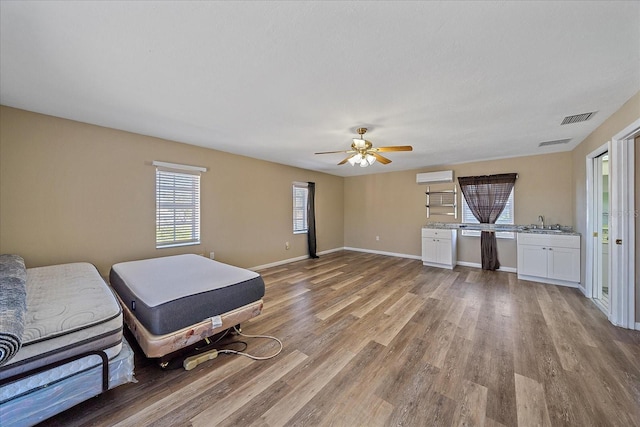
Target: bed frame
x=165, y=346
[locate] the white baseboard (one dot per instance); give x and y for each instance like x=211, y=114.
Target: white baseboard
x=328, y=251
x=371, y=251
x=290, y=260
x=418, y=257
x=549, y=281
x=476, y=265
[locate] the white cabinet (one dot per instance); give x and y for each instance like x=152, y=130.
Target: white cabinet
x=549, y=258
x=439, y=247
x=532, y=260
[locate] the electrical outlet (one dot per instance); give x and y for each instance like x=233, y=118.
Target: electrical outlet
x=212, y=255
x=377, y=238
x=287, y=246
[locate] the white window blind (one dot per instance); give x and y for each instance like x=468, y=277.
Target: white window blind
x=300, y=197
x=506, y=217
x=177, y=207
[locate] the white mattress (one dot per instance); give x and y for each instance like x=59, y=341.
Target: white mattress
x=70, y=310
x=154, y=280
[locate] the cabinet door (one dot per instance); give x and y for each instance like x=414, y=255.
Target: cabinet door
x=443, y=251
x=429, y=249
x=564, y=264
x=532, y=260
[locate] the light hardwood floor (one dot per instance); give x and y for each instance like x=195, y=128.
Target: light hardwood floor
x=376, y=340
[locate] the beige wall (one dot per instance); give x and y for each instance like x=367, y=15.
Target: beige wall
x=391, y=205
x=626, y=115
x=72, y=192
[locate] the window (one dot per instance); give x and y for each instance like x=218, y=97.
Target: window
x=506, y=217
x=177, y=206
x=300, y=197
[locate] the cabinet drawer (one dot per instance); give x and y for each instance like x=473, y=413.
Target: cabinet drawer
x=560, y=241
x=436, y=232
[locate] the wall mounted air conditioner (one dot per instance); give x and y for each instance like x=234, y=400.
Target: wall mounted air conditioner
x=434, y=177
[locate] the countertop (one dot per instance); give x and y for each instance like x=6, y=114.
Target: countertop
x=563, y=230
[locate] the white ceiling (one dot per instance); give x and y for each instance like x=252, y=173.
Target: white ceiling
x=459, y=81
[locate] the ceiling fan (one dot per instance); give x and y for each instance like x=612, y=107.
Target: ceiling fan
x=363, y=153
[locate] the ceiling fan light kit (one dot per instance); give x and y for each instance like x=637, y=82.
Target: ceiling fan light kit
x=364, y=154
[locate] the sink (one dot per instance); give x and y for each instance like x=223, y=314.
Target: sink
x=542, y=231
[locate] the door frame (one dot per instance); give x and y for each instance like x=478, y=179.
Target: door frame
x=622, y=226
x=621, y=310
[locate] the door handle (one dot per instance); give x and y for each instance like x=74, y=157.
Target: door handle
x=618, y=241
x=595, y=234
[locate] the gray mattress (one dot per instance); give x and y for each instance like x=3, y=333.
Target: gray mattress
x=170, y=293
x=70, y=311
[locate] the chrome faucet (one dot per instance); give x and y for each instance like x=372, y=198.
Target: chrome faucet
x=541, y=220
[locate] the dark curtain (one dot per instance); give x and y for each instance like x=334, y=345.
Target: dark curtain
x=311, y=219
x=487, y=196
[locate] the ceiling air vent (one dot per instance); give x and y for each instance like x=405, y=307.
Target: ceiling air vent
x=578, y=118
x=555, y=142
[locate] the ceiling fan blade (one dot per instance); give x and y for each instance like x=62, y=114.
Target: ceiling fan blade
x=395, y=148
x=381, y=159
x=345, y=160
x=333, y=152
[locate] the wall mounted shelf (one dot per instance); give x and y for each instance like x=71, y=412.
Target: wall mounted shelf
x=442, y=202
